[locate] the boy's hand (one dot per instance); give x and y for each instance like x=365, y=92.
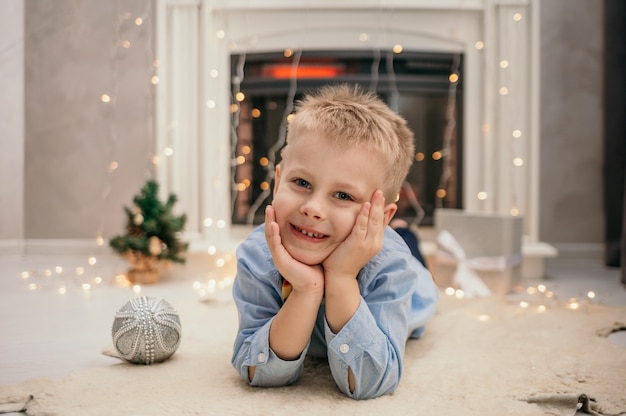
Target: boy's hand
x=302, y=277
x=363, y=243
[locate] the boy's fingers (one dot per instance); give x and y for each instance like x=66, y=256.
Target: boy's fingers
x=377, y=214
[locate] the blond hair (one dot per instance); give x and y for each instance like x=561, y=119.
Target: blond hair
x=350, y=116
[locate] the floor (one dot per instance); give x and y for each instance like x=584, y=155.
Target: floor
x=57, y=312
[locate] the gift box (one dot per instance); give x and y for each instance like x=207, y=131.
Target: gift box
x=478, y=253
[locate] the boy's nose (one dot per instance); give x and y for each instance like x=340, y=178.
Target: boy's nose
x=312, y=208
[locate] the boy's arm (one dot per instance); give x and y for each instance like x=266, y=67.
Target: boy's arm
x=341, y=268
x=257, y=294
x=291, y=329
x=398, y=296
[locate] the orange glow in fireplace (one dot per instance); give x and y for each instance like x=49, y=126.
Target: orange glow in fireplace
x=302, y=71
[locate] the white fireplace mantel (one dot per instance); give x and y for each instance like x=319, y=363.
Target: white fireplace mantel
x=501, y=127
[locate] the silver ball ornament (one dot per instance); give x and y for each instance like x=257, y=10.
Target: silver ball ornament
x=146, y=330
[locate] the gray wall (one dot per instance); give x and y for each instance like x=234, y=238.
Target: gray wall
x=571, y=121
x=74, y=55
x=70, y=136
x=11, y=119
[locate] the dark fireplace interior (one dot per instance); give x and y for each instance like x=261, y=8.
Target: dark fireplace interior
x=425, y=88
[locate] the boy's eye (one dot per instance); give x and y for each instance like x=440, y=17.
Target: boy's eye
x=343, y=196
x=302, y=183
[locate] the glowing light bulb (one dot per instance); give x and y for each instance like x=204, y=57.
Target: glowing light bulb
x=481, y=195
x=138, y=21
x=397, y=48
x=591, y=294
x=363, y=37
x=517, y=17
x=154, y=80
x=91, y=261
x=503, y=91
x=220, y=34
x=523, y=304
x=453, y=78
x=518, y=161
x=168, y=151
x=288, y=53
x=212, y=250
x=504, y=64
x=137, y=289
x=516, y=133
x=210, y=104
x=105, y=98
x=213, y=73
x=450, y=291
x=419, y=156
x=479, y=45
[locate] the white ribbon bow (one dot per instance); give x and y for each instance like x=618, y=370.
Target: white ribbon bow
x=465, y=276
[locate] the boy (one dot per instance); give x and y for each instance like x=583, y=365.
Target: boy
x=324, y=275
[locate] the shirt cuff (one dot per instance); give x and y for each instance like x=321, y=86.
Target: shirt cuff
x=355, y=337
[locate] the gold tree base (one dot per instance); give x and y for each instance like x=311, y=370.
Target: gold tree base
x=143, y=276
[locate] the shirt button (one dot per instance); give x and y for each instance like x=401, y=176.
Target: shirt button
x=261, y=357
x=344, y=348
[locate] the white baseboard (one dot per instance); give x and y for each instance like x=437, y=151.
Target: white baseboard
x=580, y=251
x=12, y=247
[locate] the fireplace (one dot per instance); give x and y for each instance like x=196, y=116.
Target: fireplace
x=496, y=114
x=426, y=88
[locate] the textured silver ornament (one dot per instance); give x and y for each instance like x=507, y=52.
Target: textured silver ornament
x=146, y=330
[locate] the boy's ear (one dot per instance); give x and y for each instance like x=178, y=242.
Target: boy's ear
x=389, y=211
x=276, y=178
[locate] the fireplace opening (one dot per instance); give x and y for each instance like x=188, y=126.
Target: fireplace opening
x=425, y=88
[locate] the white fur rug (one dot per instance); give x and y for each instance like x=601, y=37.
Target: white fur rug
x=477, y=357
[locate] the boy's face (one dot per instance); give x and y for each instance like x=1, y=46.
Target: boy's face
x=318, y=193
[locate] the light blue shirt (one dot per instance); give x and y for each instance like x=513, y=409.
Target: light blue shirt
x=398, y=296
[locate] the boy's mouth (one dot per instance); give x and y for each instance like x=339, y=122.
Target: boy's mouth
x=309, y=234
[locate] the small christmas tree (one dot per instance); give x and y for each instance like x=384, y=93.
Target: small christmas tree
x=152, y=234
